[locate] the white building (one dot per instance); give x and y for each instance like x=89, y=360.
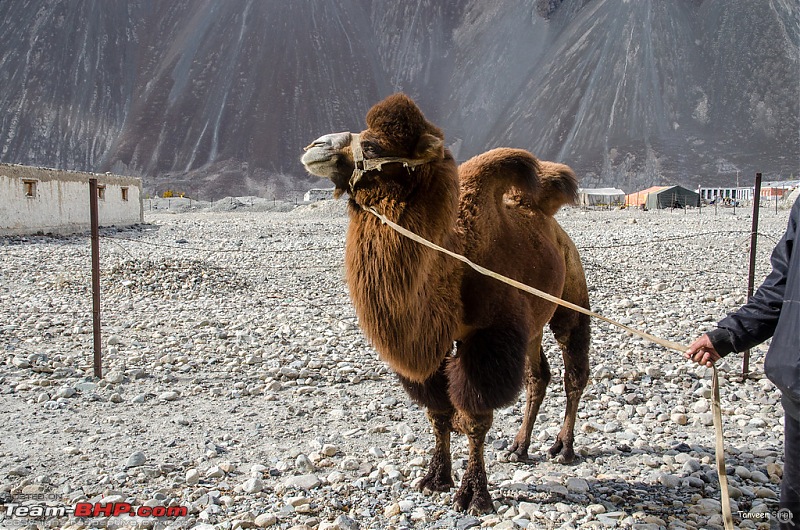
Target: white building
x=768, y=189
x=738, y=194
x=316, y=194
x=44, y=200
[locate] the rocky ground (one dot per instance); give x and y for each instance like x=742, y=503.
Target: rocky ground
x=237, y=384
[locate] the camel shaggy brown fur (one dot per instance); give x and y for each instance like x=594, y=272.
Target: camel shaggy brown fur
x=414, y=303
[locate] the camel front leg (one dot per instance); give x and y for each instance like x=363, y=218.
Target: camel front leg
x=432, y=394
x=485, y=374
x=440, y=471
x=473, y=495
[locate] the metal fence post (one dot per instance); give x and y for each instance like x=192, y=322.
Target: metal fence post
x=752, y=271
x=93, y=217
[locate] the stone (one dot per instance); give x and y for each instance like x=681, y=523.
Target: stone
x=303, y=464
x=765, y=493
x=669, y=480
x=775, y=471
x=215, y=472
x=406, y=506
x=342, y=522
x=170, y=395
x=577, y=485
x=65, y=392
x=19, y=471
x=470, y=521
x=253, y=485
x=265, y=520
x=114, y=377
x=136, y=459
x=305, y=482
x=680, y=418
x=349, y=464
x=192, y=476
x=20, y=362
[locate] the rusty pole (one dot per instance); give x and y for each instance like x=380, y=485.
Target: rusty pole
x=752, y=270
x=98, y=368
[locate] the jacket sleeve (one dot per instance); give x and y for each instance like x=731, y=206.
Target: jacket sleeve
x=755, y=321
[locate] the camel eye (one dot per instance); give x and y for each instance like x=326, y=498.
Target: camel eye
x=370, y=149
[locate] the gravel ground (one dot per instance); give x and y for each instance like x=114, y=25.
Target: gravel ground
x=238, y=385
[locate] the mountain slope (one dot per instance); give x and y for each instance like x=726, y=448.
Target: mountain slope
x=218, y=98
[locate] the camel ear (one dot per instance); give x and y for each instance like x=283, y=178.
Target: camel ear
x=429, y=147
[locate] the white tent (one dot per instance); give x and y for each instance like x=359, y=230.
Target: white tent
x=600, y=197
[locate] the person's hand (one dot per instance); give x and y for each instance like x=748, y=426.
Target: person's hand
x=702, y=352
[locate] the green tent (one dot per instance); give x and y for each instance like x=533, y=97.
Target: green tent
x=672, y=197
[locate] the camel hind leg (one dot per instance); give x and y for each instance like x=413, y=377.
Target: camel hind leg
x=571, y=330
x=537, y=376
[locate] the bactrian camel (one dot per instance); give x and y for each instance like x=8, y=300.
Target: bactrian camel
x=461, y=343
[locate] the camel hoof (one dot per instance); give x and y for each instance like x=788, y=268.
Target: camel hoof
x=432, y=483
x=520, y=451
x=563, y=454
x=474, y=503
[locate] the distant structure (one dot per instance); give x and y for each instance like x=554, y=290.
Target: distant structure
x=600, y=197
x=34, y=200
x=769, y=190
x=720, y=194
x=659, y=197
x=321, y=194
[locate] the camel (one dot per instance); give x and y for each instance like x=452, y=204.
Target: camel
x=462, y=344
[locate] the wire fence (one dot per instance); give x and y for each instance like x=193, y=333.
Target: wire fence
x=333, y=305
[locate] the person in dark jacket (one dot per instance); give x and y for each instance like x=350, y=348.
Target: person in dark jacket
x=773, y=311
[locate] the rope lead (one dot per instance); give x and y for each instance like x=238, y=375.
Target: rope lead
x=727, y=517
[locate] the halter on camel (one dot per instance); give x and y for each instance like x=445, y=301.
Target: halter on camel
x=362, y=165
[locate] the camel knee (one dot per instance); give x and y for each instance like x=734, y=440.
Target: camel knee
x=576, y=378
x=473, y=425
x=487, y=371
x=537, y=375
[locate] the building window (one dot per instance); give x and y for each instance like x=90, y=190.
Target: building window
x=30, y=188
x=125, y=194
x=101, y=192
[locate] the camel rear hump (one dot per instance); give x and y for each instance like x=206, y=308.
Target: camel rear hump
x=541, y=184
x=558, y=186
x=491, y=174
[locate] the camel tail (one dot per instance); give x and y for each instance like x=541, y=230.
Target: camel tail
x=559, y=186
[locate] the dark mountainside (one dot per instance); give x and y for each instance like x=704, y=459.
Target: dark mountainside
x=218, y=98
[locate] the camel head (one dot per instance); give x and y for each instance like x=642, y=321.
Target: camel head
x=398, y=140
